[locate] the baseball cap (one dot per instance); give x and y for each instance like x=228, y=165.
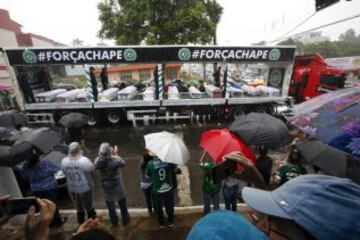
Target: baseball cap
x=227, y=225
x=325, y=206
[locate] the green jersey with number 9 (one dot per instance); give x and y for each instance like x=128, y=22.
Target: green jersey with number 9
x=161, y=174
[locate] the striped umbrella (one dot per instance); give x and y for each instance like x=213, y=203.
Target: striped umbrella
x=88, y=86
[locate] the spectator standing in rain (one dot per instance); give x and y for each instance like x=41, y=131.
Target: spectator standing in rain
x=264, y=164
x=146, y=182
x=93, y=83
x=230, y=191
x=293, y=167
x=104, y=78
x=76, y=134
x=211, y=189
x=78, y=170
x=161, y=174
x=108, y=164
x=41, y=176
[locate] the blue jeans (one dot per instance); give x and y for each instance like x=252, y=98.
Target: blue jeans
x=123, y=209
x=230, y=195
x=149, y=200
x=208, y=199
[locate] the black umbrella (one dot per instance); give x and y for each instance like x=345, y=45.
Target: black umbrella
x=74, y=120
x=42, y=139
x=55, y=156
x=330, y=160
x=12, y=118
x=261, y=129
x=13, y=155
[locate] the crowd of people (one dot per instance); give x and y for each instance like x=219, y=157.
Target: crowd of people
x=286, y=205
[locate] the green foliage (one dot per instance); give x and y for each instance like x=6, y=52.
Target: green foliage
x=159, y=21
x=348, y=45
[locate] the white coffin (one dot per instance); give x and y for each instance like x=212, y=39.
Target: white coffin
x=149, y=94
x=269, y=91
x=69, y=96
x=173, y=92
x=235, y=92
x=109, y=95
x=213, y=91
x=83, y=97
x=128, y=93
x=194, y=92
x=252, y=91
x=49, y=96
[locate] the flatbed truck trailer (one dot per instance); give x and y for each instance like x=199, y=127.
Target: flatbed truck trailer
x=278, y=61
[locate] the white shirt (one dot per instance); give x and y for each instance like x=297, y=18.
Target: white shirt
x=78, y=174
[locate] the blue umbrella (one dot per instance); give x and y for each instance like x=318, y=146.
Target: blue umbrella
x=334, y=118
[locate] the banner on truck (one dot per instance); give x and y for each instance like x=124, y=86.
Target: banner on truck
x=155, y=54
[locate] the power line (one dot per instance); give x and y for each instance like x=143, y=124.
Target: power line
x=286, y=26
x=294, y=28
x=322, y=26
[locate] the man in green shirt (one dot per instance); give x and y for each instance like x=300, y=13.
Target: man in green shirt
x=161, y=174
x=293, y=167
x=211, y=190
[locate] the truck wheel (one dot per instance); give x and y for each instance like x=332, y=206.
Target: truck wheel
x=261, y=109
x=239, y=112
x=93, y=118
x=113, y=117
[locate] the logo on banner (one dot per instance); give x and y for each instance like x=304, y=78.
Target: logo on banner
x=275, y=77
x=184, y=54
x=274, y=54
x=29, y=56
x=130, y=54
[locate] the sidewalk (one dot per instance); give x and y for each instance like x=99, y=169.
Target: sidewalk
x=141, y=226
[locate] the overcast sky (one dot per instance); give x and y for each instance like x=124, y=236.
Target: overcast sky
x=243, y=21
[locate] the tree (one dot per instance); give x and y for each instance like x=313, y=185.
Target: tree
x=350, y=37
x=291, y=42
x=159, y=21
x=77, y=42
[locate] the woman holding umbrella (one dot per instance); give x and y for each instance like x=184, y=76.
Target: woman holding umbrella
x=43, y=184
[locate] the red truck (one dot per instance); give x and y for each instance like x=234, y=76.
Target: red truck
x=312, y=76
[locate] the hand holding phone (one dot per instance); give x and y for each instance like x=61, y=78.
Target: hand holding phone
x=116, y=150
x=37, y=227
x=18, y=206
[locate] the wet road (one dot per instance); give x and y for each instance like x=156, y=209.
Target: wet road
x=131, y=146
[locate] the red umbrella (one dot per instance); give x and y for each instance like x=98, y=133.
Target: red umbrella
x=219, y=142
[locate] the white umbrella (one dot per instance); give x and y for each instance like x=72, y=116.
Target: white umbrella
x=168, y=147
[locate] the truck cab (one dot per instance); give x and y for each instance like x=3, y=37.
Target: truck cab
x=312, y=76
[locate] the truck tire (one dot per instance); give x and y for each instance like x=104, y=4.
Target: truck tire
x=114, y=116
x=239, y=112
x=93, y=119
x=261, y=109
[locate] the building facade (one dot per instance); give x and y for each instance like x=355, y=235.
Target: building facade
x=139, y=72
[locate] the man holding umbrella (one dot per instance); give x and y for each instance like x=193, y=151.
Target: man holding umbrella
x=162, y=188
x=168, y=150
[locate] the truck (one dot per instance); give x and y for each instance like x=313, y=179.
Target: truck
x=230, y=100
x=312, y=76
